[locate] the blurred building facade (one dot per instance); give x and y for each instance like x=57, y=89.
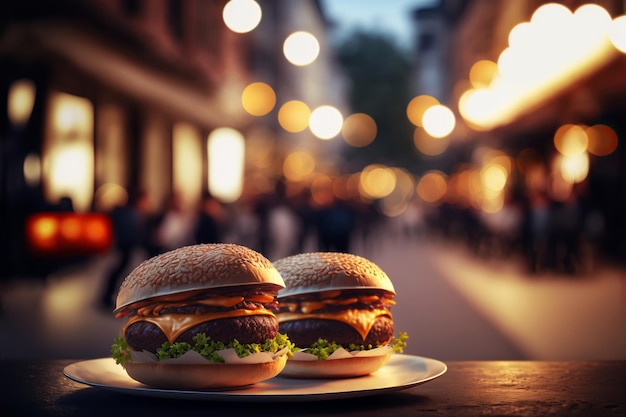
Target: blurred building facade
x=106, y=99
x=452, y=36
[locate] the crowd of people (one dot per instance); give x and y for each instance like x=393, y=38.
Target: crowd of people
x=273, y=224
x=548, y=234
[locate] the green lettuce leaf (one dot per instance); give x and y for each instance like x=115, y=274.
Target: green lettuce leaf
x=120, y=350
x=323, y=348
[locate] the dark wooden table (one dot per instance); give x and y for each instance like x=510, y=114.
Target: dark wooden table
x=491, y=388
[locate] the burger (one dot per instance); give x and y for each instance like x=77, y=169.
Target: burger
x=336, y=309
x=201, y=316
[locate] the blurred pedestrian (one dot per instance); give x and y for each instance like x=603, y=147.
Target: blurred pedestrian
x=177, y=226
x=210, y=220
x=566, y=222
x=128, y=234
x=535, y=229
x=303, y=208
x=335, y=225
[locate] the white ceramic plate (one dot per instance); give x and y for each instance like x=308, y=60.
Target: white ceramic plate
x=401, y=372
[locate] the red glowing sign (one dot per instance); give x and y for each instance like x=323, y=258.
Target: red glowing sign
x=68, y=234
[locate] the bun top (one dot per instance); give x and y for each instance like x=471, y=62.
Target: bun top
x=197, y=267
x=321, y=271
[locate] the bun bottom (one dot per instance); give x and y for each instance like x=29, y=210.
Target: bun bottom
x=334, y=368
x=212, y=375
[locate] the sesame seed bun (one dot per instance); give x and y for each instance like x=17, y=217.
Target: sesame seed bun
x=197, y=267
x=320, y=271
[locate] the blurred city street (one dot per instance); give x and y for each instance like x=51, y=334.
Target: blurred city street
x=159, y=124
x=454, y=306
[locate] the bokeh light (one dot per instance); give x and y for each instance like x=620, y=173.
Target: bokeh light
x=294, y=115
x=570, y=140
x=429, y=145
x=301, y=48
x=377, y=181
x=438, y=121
x=617, y=33
x=483, y=73
x=110, y=195
x=32, y=169
x=527, y=159
x=260, y=147
x=43, y=231
x=397, y=202
x=322, y=191
x=258, y=99
x=602, y=140
x=432, y=187
x=326, y=122
x=226, y=155
x=417, y=106
x=21, y=98
x=70, y=228
x=574, y=168
x=544, y=55
x=359, y=130
x=494, y=176
x=298, y=165
x=242, y=16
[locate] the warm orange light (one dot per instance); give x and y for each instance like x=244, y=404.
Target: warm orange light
x=483, y=73
x=322, y=190
x=97, y=231
x=68, y=234
x=294, y=115
x=602, y=140
x=572, y=168
x=42, y=231
x=359, y=130
x=21, y=99
x=70, y=228
x=258, y=99
x=417, y=106
x=570, y=140
x=432, y=187
x=298, y=165
x=544, y=55
x=429, y=145
x=226, y=149
x=377, y=181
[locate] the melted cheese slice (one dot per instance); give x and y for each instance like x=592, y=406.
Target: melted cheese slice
x=174, y=325
x=361, y=320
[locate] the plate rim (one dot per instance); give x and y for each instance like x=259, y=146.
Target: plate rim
x=437, y=368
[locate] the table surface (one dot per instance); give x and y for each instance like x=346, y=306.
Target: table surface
x=469, y=388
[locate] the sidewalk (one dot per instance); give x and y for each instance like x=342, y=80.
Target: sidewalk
x=549, y=316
